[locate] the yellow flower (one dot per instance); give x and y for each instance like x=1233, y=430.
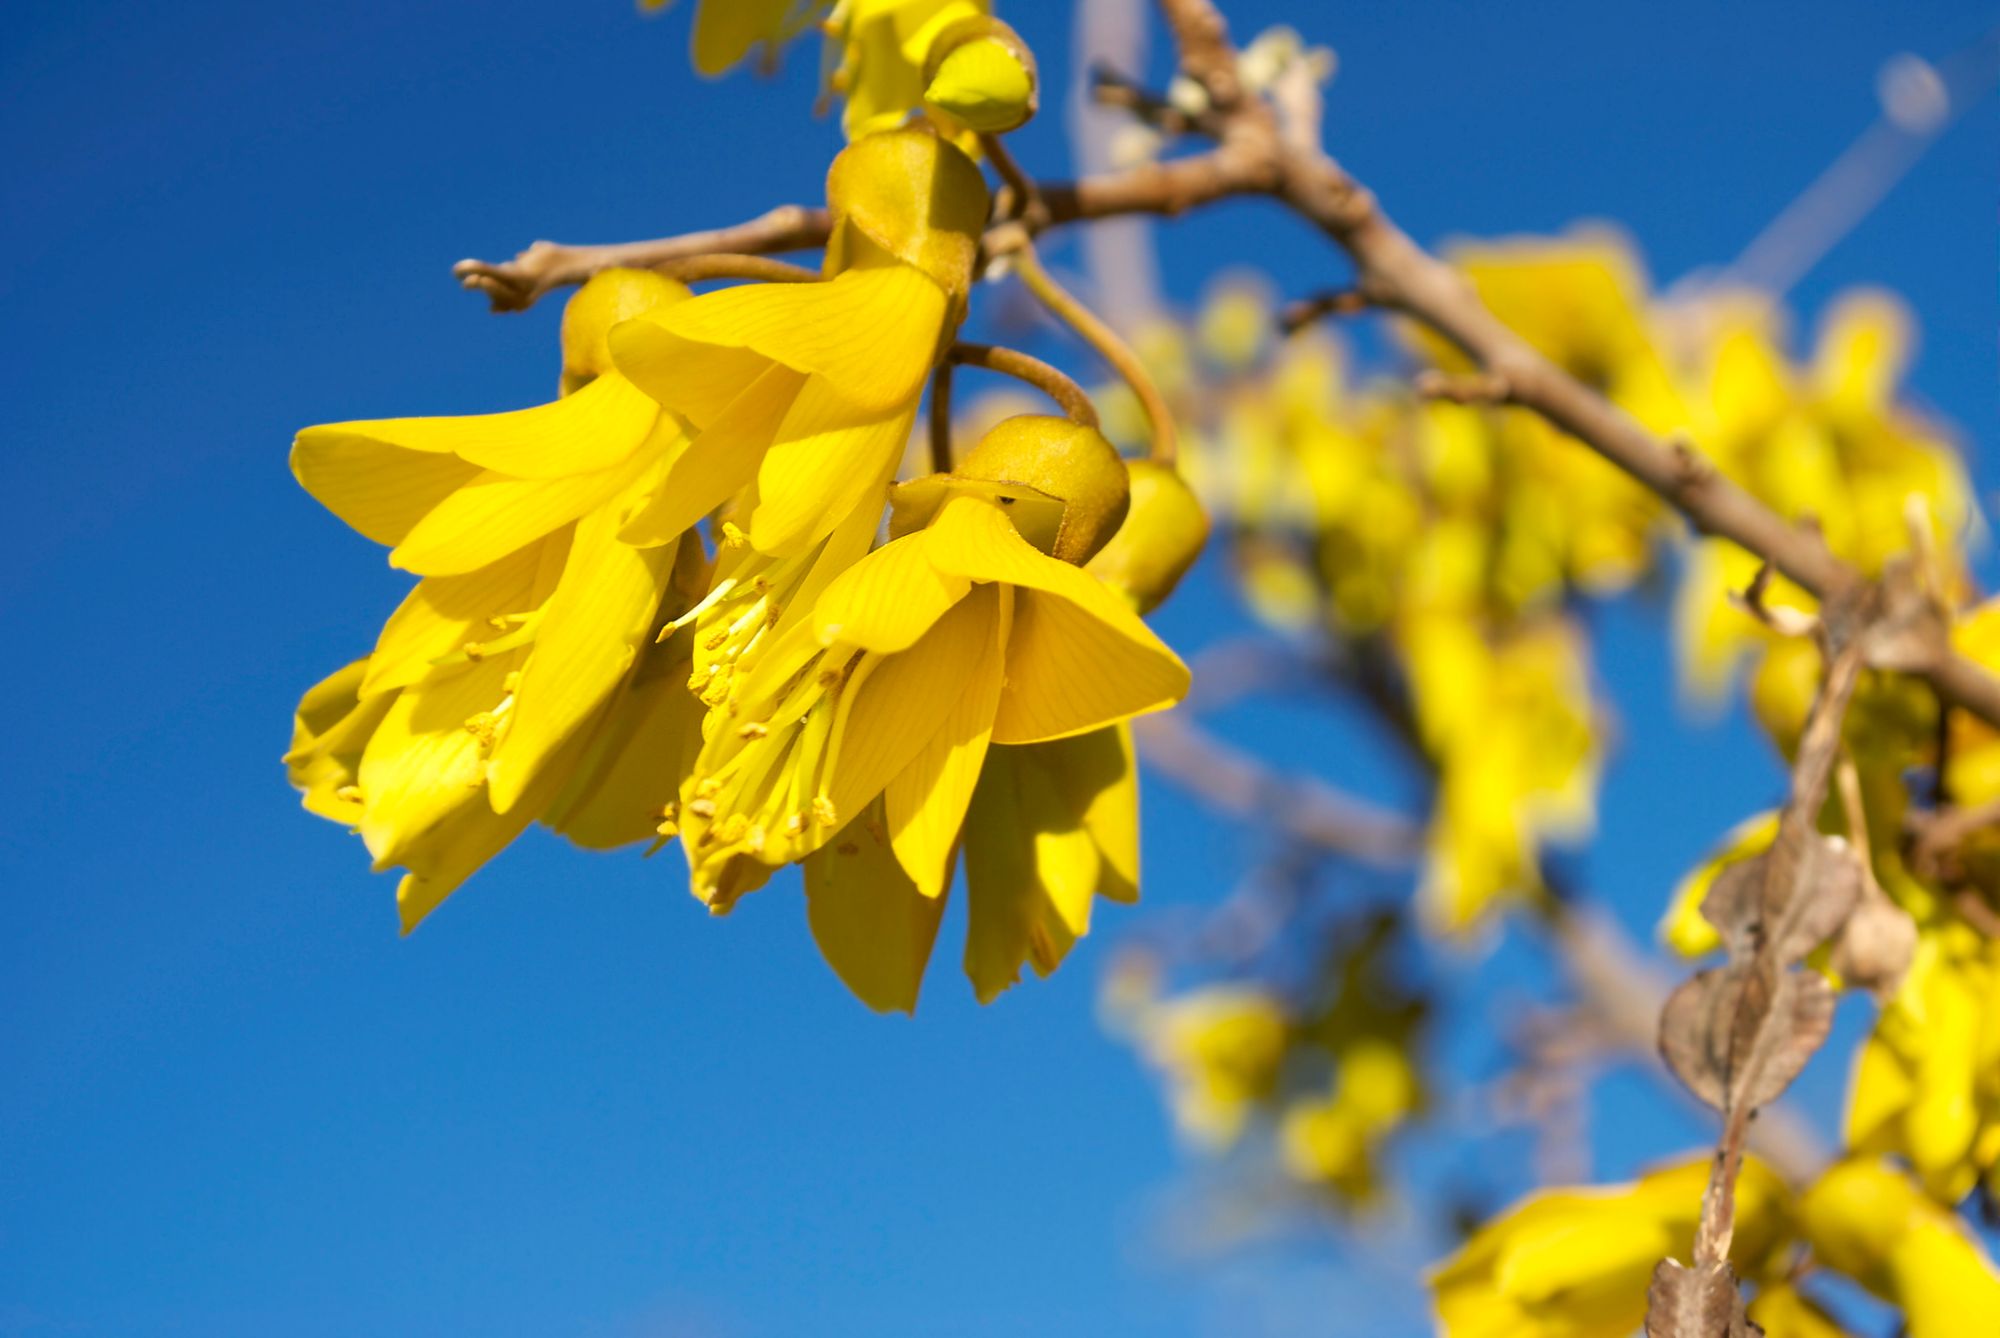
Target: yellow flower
x=1875, y=1226
x=1510, y=724
x=726, y=30
x=1575, y=1263
x=1827, y=441
x=1926, y=1083
x=1332, y=1139
x=1783, y=1311
x=482, y=694
x=806, y=392
x=1220, y=1050
x=912, y=661
x=882, y=45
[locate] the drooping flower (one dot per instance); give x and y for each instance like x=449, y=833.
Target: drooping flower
x=1221, y=1050
x=955, y=636
x=805, y=393
x=480, y=700
x=881, y=46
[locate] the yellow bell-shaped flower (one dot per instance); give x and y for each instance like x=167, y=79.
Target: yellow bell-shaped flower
x=912, y=662
x=1872, y=1224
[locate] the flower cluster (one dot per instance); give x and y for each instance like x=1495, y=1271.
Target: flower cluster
x=663, y=605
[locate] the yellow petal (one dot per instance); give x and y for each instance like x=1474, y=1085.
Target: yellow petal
x=495, y=514
x=1078, y=657
x=423, y=763
x=696, y=381
x=720, y=461
x=595, y=428
x=329, y=731
x=725, y=30
x=888, y=599
x=443, y=613
x=925, y=804
x=906, y=699
x=379, y=489
x=1098, y=780
x=602, y=611
x=1070, y=670
x=871, y=334
x=456, y=848
x=872, y=925
x=1004, y=898
x=828, y=458
x=638, y=757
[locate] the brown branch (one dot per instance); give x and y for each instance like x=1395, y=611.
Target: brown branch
x=517, y=284
x=1307, y=310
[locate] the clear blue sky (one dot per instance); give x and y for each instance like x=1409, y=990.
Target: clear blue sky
x=233, y=1102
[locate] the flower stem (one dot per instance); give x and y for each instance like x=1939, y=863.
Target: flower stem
x=1164, y=446
x=1008, y=362
x=723, y=265
x=941, y=418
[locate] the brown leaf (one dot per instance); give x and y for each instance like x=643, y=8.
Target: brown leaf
x=1825, y=891
x=1698, y=1302
x=1733, y=1038
x=1824, y=888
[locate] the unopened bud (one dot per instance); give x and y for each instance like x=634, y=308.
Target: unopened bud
x=1163, y=534
x=610, y=296
x=913, y=195
x=981, y=74
x=1067, y=461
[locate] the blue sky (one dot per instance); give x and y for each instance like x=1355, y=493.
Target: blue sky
x=233, y=1102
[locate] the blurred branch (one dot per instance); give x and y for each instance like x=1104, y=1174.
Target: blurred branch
x=1302, y=808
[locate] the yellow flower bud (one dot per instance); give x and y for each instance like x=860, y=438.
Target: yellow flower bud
x=982, y=75
x=610, y=296
x=1066, y=461
x=914, y=196
x=1164, y=532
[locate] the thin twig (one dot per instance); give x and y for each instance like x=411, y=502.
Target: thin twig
x=1114, y=350
x=1075, y=401
x=725, y=265
x=941, y=417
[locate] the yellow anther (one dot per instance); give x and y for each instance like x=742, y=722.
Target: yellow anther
x=732, y=535
x=702, y=808
x=753, y=730
x=823, y=811
x=732, y=828
x=348, y=794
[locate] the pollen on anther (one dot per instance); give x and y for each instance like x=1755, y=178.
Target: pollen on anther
x=753, y=730
x=823, y=811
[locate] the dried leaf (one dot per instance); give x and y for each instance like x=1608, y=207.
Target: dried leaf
x=1824, y=893
x=1744, y=908
x=1733, y=1038
x=1698, y=1302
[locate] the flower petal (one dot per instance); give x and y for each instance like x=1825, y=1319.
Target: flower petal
x=495, y=514
x=1072, y=669
x=720, y=461
x=888, y=599
x=423, y=763
x=456, y=848
x=601, y=613
x=871, y=333
x=329, y=731
x=906, y=699
x=872, y=925
x=695, y=381
x=595, y=428
x=378, y=489
x=827, y=459
x=443, y=613
x=638, y=757
x=925, y=804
